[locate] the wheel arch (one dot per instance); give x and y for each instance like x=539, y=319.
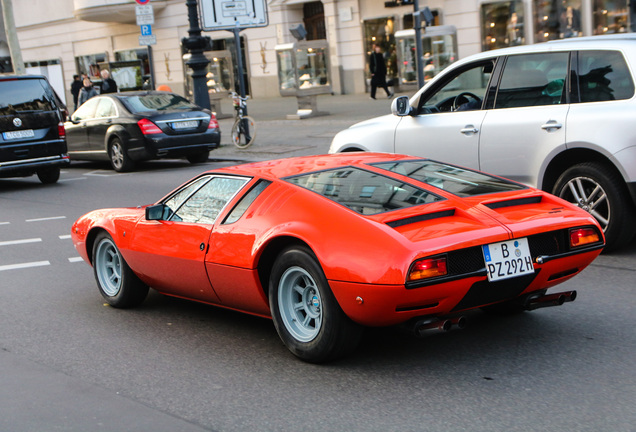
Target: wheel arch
x=570, y=157
x=115, y=131
x=90, y=241
x=270, y=252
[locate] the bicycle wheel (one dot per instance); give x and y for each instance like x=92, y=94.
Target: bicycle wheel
x=243, y=132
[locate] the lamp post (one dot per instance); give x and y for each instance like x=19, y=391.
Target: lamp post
x=418, y=43
x=195, y=44
x=12, y=37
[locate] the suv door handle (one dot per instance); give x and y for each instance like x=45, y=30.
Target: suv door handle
x=469, y=130
x=552, y=124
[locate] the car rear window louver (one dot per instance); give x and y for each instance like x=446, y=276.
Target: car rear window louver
x=420, y=218
x=514, y=202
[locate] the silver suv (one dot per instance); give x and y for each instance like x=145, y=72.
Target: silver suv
x=560, y=116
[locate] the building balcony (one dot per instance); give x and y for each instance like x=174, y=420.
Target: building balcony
x=116, y=11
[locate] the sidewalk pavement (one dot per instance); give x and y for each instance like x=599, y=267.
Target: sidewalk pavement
x=277, y=137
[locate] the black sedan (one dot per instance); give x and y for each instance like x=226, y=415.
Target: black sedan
x=134, y=126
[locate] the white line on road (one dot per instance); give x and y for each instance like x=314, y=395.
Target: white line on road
x=72, y=179
x=23, y=241
x=24, y=265
x=75, y=259
x=65, y=237
x=45, y=219
x=5, y=223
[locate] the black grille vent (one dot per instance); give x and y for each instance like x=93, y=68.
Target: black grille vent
x=465, y=261
x=549, y=243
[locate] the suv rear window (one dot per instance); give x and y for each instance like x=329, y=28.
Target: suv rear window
x=604, y=76
x=363, y=191
x=24, y=96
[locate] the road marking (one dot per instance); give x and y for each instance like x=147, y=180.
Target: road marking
x=5, y=223
x=65, y=237
x=75, y=259
x=24, y=265
x=23, y=241
x=72, y=179
x=45, y=219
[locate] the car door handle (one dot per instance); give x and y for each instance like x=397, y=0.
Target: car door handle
x=469, y=130
x=551, y=125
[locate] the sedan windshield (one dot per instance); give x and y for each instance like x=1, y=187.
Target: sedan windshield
x=156, y=102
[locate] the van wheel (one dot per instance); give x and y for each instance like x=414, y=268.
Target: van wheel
x=600, y=191
x=119, y=159
x=49, y=175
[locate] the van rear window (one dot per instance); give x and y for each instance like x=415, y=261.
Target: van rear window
x=24, y=96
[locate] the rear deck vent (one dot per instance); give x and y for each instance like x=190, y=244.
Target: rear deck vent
x=514, y=202
x=420, y=218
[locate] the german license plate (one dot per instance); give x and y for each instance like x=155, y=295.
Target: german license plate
x=191, y=124
x=27, y=133
x=508, y=259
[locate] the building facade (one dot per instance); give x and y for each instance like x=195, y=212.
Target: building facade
x=66, y=37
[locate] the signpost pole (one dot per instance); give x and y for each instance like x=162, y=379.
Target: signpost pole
x=195, y=44
x=417, y=23
x=239, y=62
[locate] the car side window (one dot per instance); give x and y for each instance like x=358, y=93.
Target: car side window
x=204, y=205
x=533, y=80
x=86, y=111
x=465, y=91
x=604, y=76
x=105, y=108
x=246, y=201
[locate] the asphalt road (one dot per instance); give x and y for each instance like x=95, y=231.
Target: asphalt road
x=68, y=362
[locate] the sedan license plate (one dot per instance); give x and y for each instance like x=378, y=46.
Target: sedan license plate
x=191, y=124
x=508, y=259
x=27, y=133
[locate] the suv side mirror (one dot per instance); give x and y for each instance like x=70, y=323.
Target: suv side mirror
x=156, y=212
x=400, y=106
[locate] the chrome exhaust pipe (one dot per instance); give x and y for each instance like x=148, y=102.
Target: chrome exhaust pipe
x=436, y=325
x=556, y=299
x=433, y=325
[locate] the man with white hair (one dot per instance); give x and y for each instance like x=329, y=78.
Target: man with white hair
x=108, y=84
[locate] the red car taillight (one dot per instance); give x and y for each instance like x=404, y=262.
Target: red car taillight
x=583, y=236
x=147, y=127
x=427, y=268
x=60, y=130
x=214, y=124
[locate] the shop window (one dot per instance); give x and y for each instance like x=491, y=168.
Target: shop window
x=555, y=19
x=611, y=16
x=502, y=24
x=90, y=65
x=314, y=19
x=381, y=32
x=407, y=20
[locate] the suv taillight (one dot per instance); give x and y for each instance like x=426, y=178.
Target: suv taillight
x=147, y=127
x=60, y=130
x=214, y=124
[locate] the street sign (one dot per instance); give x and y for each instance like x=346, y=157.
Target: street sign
x=142, y=2
x=146, y=30
x=145, y=15
x=230, y=14
x=148, y=40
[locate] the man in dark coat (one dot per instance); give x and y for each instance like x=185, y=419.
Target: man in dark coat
x=76, y=86
x=108, y=84
x=377, y=66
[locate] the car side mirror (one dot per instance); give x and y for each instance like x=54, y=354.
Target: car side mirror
x=400, y=106
x=156, y=212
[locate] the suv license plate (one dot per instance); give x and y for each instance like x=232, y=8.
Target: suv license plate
x=27, y=133
x=508, y=259
x=185, y=124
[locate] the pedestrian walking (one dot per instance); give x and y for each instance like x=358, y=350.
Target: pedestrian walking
x=377, y=66
x=86, y=92
x=76, y=86
x=108, y=84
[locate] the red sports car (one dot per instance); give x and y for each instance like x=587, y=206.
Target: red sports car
x=325, y=245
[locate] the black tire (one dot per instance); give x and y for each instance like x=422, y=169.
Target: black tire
x=319, y=330
x=602, y=192
x=119, y=158
x=197, y=158
x=116, y=281
x=49, y=175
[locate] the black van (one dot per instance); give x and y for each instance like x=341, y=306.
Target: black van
x=32, y=136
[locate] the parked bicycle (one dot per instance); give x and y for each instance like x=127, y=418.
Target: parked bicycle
x=244, y=128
